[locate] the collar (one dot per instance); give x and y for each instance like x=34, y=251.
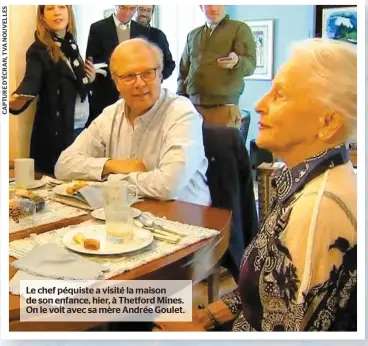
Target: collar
x=289, y=181
x=214, y=26
x=211, y=26
x=119, y=24
x=145, y=118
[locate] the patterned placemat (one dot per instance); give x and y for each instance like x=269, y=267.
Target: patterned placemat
x=53, y=212
x=118, y=264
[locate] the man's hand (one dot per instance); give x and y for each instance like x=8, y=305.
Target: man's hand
x=228, y=62
x=123, y=167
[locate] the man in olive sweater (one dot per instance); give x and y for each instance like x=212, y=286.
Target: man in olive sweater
x=216, y=58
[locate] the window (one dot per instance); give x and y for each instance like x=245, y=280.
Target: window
x=176, y=21
x=85, y=15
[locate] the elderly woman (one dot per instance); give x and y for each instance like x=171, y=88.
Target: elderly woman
x=300, y=272
x=56, y=73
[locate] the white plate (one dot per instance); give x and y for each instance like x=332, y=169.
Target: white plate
x=35, y=185
x=141, y=239
x=99, y=214
x=53, y=181
x=61, y=190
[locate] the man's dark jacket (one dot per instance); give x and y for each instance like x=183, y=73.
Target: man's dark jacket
x=102, y=41
x=158, y=37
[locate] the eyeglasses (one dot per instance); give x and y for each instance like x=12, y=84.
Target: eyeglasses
x=131, y=78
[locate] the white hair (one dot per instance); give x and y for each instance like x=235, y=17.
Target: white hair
x=156, y=51
x=333, y=71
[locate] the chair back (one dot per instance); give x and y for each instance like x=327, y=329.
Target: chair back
x=231, y=186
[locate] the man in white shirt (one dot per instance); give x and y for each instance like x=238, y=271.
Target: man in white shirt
x=153, y=138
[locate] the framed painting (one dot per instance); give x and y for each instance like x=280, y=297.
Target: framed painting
x=336, y=22
x=263, y=32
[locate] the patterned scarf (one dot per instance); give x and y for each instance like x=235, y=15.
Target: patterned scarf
x=70, y=49
x=288, y=181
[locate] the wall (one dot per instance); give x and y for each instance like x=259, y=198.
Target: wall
x=292, y=23
x=20, y=38
x=176, y=21
x=85, y=15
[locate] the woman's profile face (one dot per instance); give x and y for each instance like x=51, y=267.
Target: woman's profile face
x=290, y=111
x=56, y=17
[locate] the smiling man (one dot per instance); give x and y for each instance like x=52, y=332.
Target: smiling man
x=144, y=14
x=151, y=137
x=143, y=17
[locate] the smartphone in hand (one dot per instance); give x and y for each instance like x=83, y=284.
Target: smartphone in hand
x=226, y=58
x=25, y=96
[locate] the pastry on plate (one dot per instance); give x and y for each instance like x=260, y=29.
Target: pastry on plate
x=79, y=238
x=71, y=190
x=91, y=244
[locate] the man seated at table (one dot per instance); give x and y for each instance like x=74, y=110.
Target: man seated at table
x=150, y=136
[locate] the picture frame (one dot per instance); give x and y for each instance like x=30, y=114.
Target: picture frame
x=263, y=32
x=337, y=22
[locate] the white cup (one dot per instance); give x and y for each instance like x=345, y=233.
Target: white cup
x=120, y=193
x=24, y=172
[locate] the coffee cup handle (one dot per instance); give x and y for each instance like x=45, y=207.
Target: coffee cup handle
x=135, y=199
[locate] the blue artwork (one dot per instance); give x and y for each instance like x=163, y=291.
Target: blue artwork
x=340, y=24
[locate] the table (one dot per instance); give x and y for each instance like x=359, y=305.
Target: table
x=177, y=266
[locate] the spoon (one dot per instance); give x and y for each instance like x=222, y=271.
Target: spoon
x=159, y=232
x=148, y=221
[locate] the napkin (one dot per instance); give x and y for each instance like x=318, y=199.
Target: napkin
x=15, y=286
x=100, y=68
x=92, y=195
x=100, y=65
x=52, y=261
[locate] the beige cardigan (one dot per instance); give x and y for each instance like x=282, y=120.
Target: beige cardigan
x=317, y=221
